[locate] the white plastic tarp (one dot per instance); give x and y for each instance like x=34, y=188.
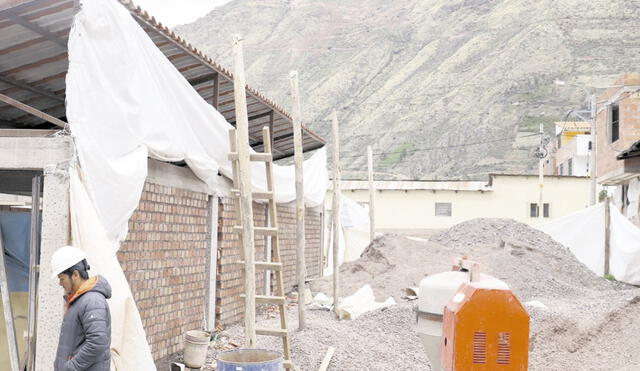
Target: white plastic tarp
x=129, y=347
x=354, y=234
x=583, y=232
x=126, y=102
x=360, y=302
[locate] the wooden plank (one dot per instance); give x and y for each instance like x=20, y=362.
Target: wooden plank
x=336, y=210
x=607, y=235
x=244, y=180
x=26, y=132
x=8, y=312
x=273, y=266
x=268, y=299
x=372, y=196
x=300, y=236
x=32, y=111
x=34, y=271
x=327, y=359
x=258, y=157
x=271, y=331
x=270, y=231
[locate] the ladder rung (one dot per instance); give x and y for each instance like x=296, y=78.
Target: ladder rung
x=271, y=331
x=263, y=157
x=255, y=195
x=264, y=299
x=271, y=231
x=274, y=266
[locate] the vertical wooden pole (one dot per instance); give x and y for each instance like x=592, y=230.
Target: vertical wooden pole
x=34, y=254
x=246, y=199
x=298, y=157
x=607, y=234
x=271, y=133
x=216, y=90
x=336, y=210
x=541, y=174
x=8, y=312
x=372, y=196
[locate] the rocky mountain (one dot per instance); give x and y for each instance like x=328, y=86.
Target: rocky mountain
x=440, y=88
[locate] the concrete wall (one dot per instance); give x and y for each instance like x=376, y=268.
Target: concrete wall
x=510, y=197
x=52, y=156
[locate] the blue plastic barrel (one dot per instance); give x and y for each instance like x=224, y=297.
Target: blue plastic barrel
x=249, y=360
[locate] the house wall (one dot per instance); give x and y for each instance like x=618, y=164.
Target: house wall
x=509, y=198
x=229, y=304
x=629, y=108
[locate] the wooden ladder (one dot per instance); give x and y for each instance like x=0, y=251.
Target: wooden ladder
x=270, y=230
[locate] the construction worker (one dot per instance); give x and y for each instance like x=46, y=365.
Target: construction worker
x=85, y=336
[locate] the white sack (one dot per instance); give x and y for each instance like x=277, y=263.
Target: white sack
x=129, y=347
x=361, y=302
x=126, y=102
x=583, y=233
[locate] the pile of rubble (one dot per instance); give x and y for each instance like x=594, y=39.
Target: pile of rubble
x=578, y=320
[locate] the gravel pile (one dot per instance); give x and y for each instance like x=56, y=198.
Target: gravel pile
x=586, y=322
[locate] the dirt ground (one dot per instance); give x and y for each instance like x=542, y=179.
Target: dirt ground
x=586, y=323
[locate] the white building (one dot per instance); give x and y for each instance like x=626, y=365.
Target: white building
x=418, y=207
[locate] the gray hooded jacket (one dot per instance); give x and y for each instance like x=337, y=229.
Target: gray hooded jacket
x=85, y=336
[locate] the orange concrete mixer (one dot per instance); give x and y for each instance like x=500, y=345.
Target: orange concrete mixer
x=485, y=327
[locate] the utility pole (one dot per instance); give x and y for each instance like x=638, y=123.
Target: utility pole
x=336, y=209
x=592, y=157
x=300, y=238
x=372, y=196
x=541, y=155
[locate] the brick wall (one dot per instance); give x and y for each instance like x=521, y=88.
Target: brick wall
x=629, y=112
x=229, y=305
x=165, y=261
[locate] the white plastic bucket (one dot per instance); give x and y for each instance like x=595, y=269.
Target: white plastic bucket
x=196, y=343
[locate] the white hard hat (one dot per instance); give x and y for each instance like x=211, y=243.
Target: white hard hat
x=64, y=258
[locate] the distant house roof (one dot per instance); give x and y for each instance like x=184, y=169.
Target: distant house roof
x=633, y=151
x=574, y=125
x=34, y=62
x=395, y=185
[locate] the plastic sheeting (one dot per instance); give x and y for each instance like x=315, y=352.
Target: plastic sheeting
x=126, y=102
x=16, y=236
x=129, y=347
x=354, y=234
x=624, y=263
x=361, y=302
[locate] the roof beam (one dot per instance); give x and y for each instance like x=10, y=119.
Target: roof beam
x=35, y=28
x=255, y=117
x=32, y=111
x=25, y=86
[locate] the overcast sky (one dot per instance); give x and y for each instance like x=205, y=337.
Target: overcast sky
x=175, y=12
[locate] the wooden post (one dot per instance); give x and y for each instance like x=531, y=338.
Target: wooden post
x=336, y=210
x=8, y=312
x=246, y=199
x=372, y=196
x=298, y=157
x=271, y=133
x=607, y=234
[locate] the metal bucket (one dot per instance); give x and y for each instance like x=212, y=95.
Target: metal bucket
x=249, y=360
x=195, y=348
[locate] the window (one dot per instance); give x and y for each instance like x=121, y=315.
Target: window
x=533, y=210
x=559, y=140
x=443, y=208
x=560, y=169
x=615, y=122
x=570, y=167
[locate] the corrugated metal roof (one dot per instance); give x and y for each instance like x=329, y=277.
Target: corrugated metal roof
x=574, y=125
x=33, y=65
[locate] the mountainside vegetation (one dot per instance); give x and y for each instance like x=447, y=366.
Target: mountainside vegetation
x=442, y=89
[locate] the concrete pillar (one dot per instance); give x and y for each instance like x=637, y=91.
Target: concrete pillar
x=55, y=233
